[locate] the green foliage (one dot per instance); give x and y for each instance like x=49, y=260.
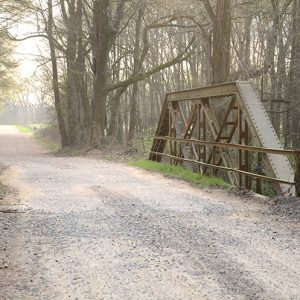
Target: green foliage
x=180, y=173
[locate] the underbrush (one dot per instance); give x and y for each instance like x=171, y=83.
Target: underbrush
x=180, y=173
x=43, y=135
x=46, y=143
x=142, y=143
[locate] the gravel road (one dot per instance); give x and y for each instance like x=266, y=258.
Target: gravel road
x=78, y=228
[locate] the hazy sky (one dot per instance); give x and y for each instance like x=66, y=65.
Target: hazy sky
x=26, y=53
x=27, y=50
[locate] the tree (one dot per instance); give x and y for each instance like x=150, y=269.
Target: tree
x=116, y=59
x=295, y=76
x=55, y=79
x=221, y=20
x=10, y=13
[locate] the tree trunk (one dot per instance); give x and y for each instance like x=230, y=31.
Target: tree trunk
x=103, y=46
x=83, y=136
x=221, y=42
x=269, y=62
x=136, y=67
x=105, y=34
x=115, y=101
x=55, y=83
x=133, y=112
x=72, y=97
x=296, y=81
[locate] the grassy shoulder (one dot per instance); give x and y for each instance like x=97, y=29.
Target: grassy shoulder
x=32, y=130
x=180, y=173
x=24, y=129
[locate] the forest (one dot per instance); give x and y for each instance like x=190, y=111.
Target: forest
x=105, y=66
x=150, y=149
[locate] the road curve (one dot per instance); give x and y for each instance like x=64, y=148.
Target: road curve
x=77, y=228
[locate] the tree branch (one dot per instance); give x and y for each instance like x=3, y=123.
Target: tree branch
x=209, y=10
x=141, y=76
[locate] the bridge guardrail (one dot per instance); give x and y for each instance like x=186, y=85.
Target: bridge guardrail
x=247, y=148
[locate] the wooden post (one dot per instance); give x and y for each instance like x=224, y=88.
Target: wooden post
x=297, y=174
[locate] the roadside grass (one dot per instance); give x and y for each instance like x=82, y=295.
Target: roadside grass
x=24, y=129
x=30, y=127
x=44, y=142
x=181, y=173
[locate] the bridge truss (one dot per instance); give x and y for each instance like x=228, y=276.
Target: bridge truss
x=224, y=130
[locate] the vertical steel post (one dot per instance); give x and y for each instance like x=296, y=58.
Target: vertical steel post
x=247, y=157
x=170, y=131
x=259, y=171
x=199, y=133
x=244, y=158
x=204, y=135
x=240, y=142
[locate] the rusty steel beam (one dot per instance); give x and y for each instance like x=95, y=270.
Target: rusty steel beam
x=228, y=169
x=234, y=146
x=219, y=90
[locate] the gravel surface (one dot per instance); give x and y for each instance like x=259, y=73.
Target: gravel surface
x=78, y=228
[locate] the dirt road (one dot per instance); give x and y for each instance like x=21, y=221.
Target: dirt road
x=77, y=228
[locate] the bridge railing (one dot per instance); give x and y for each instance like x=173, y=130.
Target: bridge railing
x=246, y=148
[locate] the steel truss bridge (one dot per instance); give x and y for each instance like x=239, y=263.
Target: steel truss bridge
x=224, y=130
